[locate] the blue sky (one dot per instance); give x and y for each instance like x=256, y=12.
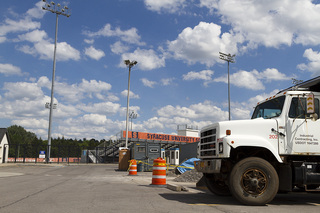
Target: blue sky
x=179, y=78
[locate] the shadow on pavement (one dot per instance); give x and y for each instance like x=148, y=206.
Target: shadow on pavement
x=199, y=199
x=207, y=198
x=297, y=198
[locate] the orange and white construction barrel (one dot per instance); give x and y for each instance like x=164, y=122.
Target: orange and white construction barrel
x=159, y=172
x=133, y=167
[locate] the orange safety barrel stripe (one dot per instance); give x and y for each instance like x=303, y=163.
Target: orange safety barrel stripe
x=158, y=181
x=157, y=172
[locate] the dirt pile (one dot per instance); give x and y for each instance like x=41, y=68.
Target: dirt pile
x=189, y=176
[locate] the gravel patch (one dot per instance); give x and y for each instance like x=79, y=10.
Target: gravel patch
x=189, y=176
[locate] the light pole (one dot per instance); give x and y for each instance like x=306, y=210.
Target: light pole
x=132, y=115
x=229, y=58
x=129, y=64
x=58, y=10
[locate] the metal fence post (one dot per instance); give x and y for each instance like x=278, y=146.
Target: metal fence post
x=105, y=154
x=96, y=155
x=15, y=154
x=68, y=153
x=24, y=153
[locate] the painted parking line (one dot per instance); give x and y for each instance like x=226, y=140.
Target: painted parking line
x=9, y=174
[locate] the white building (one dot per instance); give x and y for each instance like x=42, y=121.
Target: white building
x=4, y=145
x=188, y=130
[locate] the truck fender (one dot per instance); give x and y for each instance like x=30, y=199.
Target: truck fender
x=238, y=141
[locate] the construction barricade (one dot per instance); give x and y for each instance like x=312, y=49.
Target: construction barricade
x=159, y=172
x=133, y=167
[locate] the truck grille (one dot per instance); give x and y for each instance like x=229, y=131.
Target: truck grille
x=208, y=143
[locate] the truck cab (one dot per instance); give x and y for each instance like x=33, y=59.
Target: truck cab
x=276, y=150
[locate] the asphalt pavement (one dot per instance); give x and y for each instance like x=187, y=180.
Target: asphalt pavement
x=102, y=188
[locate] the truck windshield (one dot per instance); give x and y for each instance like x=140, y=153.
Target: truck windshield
x=269, y=109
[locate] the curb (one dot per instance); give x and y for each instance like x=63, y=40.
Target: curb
x=177, y=188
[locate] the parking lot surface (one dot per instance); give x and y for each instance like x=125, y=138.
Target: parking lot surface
x=101, y=188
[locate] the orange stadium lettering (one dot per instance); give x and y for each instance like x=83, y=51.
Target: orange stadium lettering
x=160, y=137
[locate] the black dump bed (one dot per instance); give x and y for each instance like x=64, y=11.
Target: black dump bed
x=311, y=85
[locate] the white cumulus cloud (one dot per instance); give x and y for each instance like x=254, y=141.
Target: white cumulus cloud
x=94, y=53
x=253, y=79
x=124, y=93
x=170, y=6
x=147, y=59
x=9, y=69
x=202, y=44
x=313, y=64
x=130, y=36
x=166, y=81
x=205, y=75
x=119, y=47
x=270, y=23
x=43, y=48
x=148, y=83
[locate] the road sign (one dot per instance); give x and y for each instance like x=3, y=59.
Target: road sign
x=42, y=154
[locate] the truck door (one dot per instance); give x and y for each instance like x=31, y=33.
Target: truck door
x=302, y=133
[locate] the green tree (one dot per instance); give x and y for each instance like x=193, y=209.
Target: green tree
x=22, y=142
x=26, y=144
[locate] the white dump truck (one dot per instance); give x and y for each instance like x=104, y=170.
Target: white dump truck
x=278, y=150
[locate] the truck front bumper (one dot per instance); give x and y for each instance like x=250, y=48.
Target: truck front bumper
x=208, y=166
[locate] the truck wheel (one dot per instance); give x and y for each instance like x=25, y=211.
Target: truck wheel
x=215, y=186
x=254, y=181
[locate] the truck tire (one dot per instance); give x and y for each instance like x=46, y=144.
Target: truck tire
x=215, y=186
x=254, y=181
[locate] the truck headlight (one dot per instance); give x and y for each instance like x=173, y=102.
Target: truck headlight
x=220, y=147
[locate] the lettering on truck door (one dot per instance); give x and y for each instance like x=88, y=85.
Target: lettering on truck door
x=302, y=132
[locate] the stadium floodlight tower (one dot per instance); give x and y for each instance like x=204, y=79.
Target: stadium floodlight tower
x=132, y=115
x=129, y=64
x=230, y=59
x=58, y=10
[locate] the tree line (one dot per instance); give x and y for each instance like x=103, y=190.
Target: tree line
x=26, y=144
